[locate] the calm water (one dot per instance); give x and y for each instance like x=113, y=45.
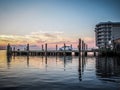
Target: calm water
x=59, y=73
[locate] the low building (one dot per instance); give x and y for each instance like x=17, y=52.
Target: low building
x=66, y=48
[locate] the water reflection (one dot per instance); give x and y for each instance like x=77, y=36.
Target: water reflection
x=27, y=61
x=79, y=69
x=81, y=66
x=107, y=67
x=9, y=58
x=63, y=71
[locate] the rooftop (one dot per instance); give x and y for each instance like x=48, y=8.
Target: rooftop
x=109, y=22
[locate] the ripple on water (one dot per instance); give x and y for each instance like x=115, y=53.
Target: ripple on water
x=36, y=74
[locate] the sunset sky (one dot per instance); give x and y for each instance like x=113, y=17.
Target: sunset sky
x=54, y=21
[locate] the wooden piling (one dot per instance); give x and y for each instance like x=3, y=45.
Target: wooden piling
x=46, y=49
x=86, y=47
x=9, y=50
x=56, y=50
x=56, y=47
x=27, y=49
x=64, y=49
x=82, y=46
x=14, y=51
x=71, y=47
x=79, y=47
x=42, y=48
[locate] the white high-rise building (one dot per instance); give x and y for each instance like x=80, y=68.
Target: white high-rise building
x=105, y=32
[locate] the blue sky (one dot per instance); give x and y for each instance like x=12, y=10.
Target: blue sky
x=71, y=18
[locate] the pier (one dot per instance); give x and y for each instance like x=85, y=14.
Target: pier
x=82, y=50
x=52, y=53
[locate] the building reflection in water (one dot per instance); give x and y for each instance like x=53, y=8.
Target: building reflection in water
x=107, y=67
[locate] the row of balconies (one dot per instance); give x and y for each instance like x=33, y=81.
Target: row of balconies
x=103, y=40
x=102, y=43
x=104, y=36
x=104, y=25
x=104, y=31
x=105, y=28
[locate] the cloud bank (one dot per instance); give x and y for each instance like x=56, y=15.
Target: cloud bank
x=39, y=38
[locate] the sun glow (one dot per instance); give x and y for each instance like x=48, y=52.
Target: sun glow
x=39, y=38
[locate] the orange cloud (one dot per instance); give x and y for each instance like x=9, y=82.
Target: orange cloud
x=39, y=38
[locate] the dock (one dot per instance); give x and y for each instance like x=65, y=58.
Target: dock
x=82, y=50
x=52, y=53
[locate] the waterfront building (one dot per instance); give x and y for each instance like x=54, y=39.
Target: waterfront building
x=106, y=32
